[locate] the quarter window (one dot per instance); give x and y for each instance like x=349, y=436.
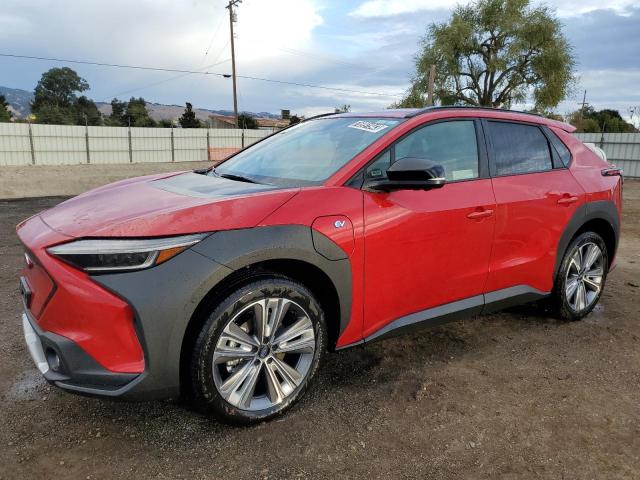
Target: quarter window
x=561, y=148
x=519, y=148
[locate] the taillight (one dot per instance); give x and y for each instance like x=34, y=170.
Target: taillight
x=612, y=171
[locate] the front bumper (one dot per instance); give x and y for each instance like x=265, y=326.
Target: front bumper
x=110, y=335
x=64, y=364
x=76, y=343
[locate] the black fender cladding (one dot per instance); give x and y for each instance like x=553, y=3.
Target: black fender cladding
x=242, y=248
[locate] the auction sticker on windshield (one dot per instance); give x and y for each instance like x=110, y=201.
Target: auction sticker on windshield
x=372, y=127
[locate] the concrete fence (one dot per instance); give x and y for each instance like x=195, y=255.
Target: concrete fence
x=26, y=144
x=622, y=149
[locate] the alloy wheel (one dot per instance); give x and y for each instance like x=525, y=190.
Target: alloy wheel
x=584, y=277
x=264, y=353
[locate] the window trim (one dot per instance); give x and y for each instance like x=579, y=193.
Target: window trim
x=358, y=180
x=491, y=149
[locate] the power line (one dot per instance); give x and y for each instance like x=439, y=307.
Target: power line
x=170, y=79
x=177, y=70
x=214, y=36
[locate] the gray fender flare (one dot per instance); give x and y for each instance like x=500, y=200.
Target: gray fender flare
x=599, y=210
x=237, y=249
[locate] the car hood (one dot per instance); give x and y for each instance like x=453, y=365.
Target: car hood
x=174, y=204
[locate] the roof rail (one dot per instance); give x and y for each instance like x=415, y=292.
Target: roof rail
x=465, y=107
x=319, y=116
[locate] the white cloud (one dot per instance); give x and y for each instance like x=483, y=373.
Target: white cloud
x=571, y=8
x=12, y=25
x=263, y=27
x=382, y=8
x=564, y=8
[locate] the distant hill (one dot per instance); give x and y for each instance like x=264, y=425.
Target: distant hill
x=158, y=111
x=20, y=104
x=19, y=100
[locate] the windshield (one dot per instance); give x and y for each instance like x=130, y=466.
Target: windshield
x=306, y=154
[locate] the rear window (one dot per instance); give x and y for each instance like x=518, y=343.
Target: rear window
x=519, y=148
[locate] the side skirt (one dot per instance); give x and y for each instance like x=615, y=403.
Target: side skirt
x=468, y=307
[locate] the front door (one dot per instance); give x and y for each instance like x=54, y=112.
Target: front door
x=426, y=249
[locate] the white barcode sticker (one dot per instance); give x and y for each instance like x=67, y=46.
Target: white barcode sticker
x=372, y=127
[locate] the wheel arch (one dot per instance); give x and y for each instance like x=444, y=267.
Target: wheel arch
x=600, y=217
x=266, y=251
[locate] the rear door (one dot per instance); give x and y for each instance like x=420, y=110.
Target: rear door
x=426, y=249
x=536, y=196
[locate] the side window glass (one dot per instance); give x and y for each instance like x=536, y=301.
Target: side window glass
x=519, y=148
x=379, y=167
x=561, y=148
x=450, y=144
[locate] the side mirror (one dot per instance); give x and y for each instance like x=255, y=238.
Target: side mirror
x=410, y=173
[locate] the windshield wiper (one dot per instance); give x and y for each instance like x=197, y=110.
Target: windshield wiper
x=238, y=178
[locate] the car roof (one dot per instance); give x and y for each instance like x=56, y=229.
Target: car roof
x=480, y=111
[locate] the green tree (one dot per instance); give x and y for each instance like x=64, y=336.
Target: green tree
x=87, y=112
x=294, y=120
x=117, y=117
x=246, y=121
x=495, y=53
x=54, y=97
x=5, y=113
x=165, y=123
x=55, y=115
x=56, y=102
x=137, y=113
x=343, y=109
x=591, y=121
x=188, y=118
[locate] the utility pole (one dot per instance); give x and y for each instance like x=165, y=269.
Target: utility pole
x=232, y=19
x=432, y=79
x=582, y=105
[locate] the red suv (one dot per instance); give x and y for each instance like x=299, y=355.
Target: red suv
x=229, y=284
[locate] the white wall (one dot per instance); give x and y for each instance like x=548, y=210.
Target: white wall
x=69, y=145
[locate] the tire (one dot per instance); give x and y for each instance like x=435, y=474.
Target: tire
x=244, y=371
x=575, y=272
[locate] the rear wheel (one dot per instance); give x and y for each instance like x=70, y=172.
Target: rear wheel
x=581, y=277
x=258, y=351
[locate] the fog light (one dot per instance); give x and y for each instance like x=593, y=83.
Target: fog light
x=53, y=360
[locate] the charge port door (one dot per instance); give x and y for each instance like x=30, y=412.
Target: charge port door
x=338, y=229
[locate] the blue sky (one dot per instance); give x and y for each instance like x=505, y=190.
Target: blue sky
x=365, y=45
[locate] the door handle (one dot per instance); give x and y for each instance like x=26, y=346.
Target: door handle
x=567, y=200
x=480, y=214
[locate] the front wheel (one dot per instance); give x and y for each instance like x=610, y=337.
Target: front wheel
x=581, y=276
x=258, y=351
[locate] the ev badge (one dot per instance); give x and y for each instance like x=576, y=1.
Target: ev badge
x=339, y=223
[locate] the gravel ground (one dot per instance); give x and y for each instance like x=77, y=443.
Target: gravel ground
x=511, y=395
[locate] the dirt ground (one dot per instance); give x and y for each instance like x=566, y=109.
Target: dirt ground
x=45, y=180
x=511, y=395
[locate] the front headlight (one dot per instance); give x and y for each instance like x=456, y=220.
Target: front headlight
x=110, y=255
